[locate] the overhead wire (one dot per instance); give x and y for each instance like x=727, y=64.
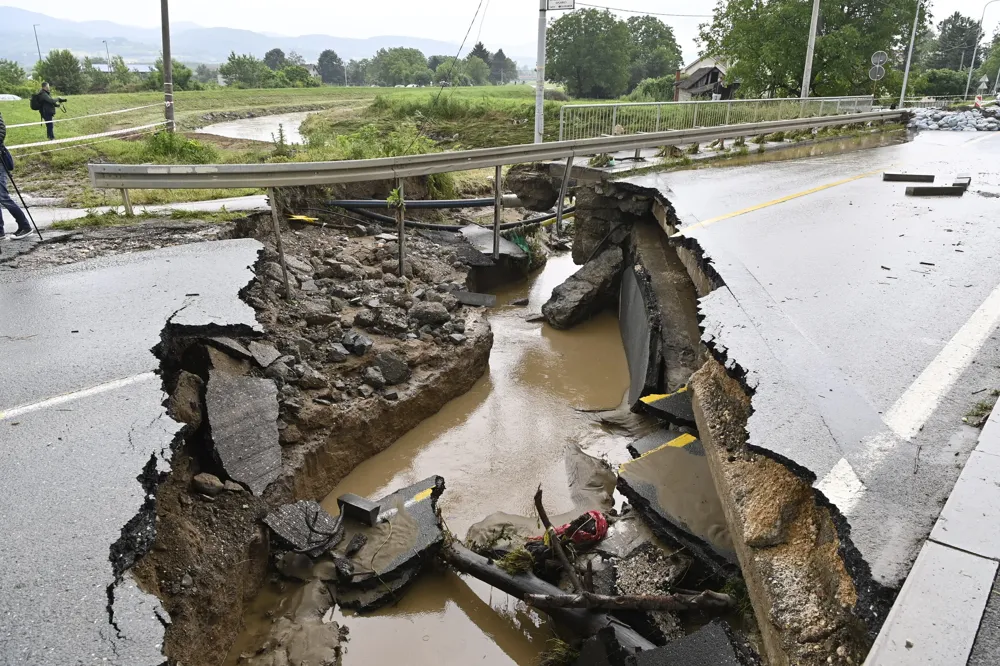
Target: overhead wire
x=640, y=11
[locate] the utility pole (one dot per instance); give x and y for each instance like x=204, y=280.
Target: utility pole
x=168, y=67
x=813, y=25
x=909, y=57
x=37, y=46
x=108, y=51
x=972, y=65
x=540, y=70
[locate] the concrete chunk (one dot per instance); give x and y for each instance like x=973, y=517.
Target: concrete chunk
x=586, y=292
x=474, y=299
x=671, y=407
x=243, y=414
x=263, y=354
x=304, y=525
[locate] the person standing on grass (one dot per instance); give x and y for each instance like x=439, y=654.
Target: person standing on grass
x=46, y=105
x=23, y=228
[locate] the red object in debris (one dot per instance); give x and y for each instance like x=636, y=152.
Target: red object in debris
x=591, y=527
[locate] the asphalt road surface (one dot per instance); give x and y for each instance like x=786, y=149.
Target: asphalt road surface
x=80, y=417
x=865, y=318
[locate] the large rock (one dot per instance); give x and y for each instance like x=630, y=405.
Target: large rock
x=533, y=187
x=429, y=313
x=587, y=292
x=394, y=368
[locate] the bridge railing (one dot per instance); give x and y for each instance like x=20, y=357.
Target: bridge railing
x=588, y=121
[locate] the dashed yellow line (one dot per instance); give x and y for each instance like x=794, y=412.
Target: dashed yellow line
x=775, y=202
x=676, y=443
x=422, y=495
x=656, y=397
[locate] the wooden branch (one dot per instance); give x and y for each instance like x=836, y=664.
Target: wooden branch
x=555, y=543
x=705, y=601
x=582, y=621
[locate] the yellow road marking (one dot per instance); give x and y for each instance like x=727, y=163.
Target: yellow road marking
x=656, y=397
x=775, y=202
x=676, y=443
x=422, y=495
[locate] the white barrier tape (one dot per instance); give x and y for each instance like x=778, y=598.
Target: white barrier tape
x=81, y=145
x=130, y=130
x=92, y=115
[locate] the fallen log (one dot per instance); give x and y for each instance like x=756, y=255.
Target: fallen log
x=704, y=601
x=582, y=621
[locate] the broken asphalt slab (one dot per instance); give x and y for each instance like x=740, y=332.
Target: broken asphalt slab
x=305, y=526
x=243, y=417
x=714, y=644
x=672, y=407
x=81, y=416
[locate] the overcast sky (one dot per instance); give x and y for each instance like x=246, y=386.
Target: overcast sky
x=508, y=23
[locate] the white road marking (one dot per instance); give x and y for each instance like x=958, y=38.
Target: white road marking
x=76, y=395
x=918, y=403
x=842, y=487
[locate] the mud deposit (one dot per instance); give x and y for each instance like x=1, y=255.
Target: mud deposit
x=264, y=128
x=493, y=445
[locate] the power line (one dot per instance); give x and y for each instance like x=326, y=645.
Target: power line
x=639, y=11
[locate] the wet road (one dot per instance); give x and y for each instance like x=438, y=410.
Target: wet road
x=80, y=417
x=264, y=128
x=867, y=320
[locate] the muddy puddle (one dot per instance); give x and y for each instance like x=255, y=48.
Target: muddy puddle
x=264, y=128
x=515, y=429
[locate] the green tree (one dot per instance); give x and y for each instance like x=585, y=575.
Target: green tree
x=122, y=74
x=940, y=82
x=275, y=59
x=298, y=77
x=477, y=70
x=991, y=64
x=435, y=61
x=295, y=59
x=63, y=71
x=11, y=75
x=357, y=72
x=654, y=51
x=424, y=78
x=481, y=52
x=957, y=39
x=502, y=69
x=246, y=71
x=182, y=75
x=452, y=71
x=331, y=68
x=765, y=43
x=205, y=74
x=588, y=50
x=396, y=66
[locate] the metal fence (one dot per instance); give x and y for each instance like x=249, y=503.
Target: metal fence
x=587, y=121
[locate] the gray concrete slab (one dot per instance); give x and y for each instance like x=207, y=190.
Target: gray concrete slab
x=81, y=418
x=481, y=238
x=863, y=357
x=986, y=649
x=970, y=521
x=936, y=616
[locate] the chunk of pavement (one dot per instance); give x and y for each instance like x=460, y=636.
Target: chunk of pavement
x=373, y=377
x=406, y=536
x=298, y=265
x=231, y=346
x=317, y=314
x=714, y=644
x=358, y=343
x=305, y=526
x=309, y=378
x=207, y=484
x=666, y=437
x=225, y=363
x=263, y=354
x=671, y=407
x=394, y=319
x=338, y=353
x=356, y=543
x=185, y=401
x=243, y=415
x=429, y=313
x=672, y=489
x=586, y=292
x=474, y=299
x=393, y=367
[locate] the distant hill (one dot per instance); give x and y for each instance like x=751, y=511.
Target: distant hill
x=190, y=43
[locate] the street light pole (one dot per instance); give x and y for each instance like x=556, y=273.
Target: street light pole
x=540, y=80
x=168, y=67
x=979, y=36
x=108, y=51
x=37, y=46
x=807, y=74
x=909, y=56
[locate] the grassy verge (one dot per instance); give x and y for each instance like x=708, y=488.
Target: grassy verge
x=93, y=219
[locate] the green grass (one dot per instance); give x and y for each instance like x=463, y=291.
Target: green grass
x=113, y=218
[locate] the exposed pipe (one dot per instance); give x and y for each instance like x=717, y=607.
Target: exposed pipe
x=454, y=227
x=510, y=201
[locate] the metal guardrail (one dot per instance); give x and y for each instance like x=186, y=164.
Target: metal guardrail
x=209, y=176
x=586, y=121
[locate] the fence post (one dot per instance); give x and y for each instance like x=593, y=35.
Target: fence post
x=277, y=241
x=694, y=119
x=729, y=108
x=563, y=187
x=127, y=203
x=614, y=119
x=659, y=112
x=401, y=228
x=497, y=210
x=821, y=103
x=562, y=121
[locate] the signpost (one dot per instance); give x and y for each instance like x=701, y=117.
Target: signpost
x=543, y=7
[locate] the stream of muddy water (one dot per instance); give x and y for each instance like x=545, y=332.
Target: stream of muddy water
x=519, y=426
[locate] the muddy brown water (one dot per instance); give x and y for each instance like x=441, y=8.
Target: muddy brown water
x=493, y=445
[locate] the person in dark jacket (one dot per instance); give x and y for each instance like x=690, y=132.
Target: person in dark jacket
x=23, y=228
x=49, y=104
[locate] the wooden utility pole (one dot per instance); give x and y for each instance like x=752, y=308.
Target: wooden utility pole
x=168, y=67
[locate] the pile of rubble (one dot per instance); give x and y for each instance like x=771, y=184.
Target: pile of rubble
x=976, y=120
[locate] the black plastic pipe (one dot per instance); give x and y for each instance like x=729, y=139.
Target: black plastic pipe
x=352, y=204
x=453, y=227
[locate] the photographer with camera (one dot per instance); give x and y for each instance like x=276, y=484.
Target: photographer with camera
x=43, y=102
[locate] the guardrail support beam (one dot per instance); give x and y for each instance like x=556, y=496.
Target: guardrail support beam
x=277, y=241
x=401, y=227
x=497, y=210
x=563, y=187
x=127, y=203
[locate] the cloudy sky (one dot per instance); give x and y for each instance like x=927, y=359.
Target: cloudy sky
x=511, y=24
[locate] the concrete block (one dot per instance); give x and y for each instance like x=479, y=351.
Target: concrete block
x=907, y=177
x=935, y=191
x=971, y=518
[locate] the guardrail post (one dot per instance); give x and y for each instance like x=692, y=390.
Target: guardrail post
x=562, y=121
x=821, y=103
x=401, y=228
x=694, y=120
x=127, y=203
x=563, y=187
x=614, y=119
x=659, y=113
x=729, y=108
x=497, y=210
x=277, y=242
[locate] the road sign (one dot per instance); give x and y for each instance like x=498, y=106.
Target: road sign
x=562, y=4
x=984, y=79
x=876, y=73
x=879, y=58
